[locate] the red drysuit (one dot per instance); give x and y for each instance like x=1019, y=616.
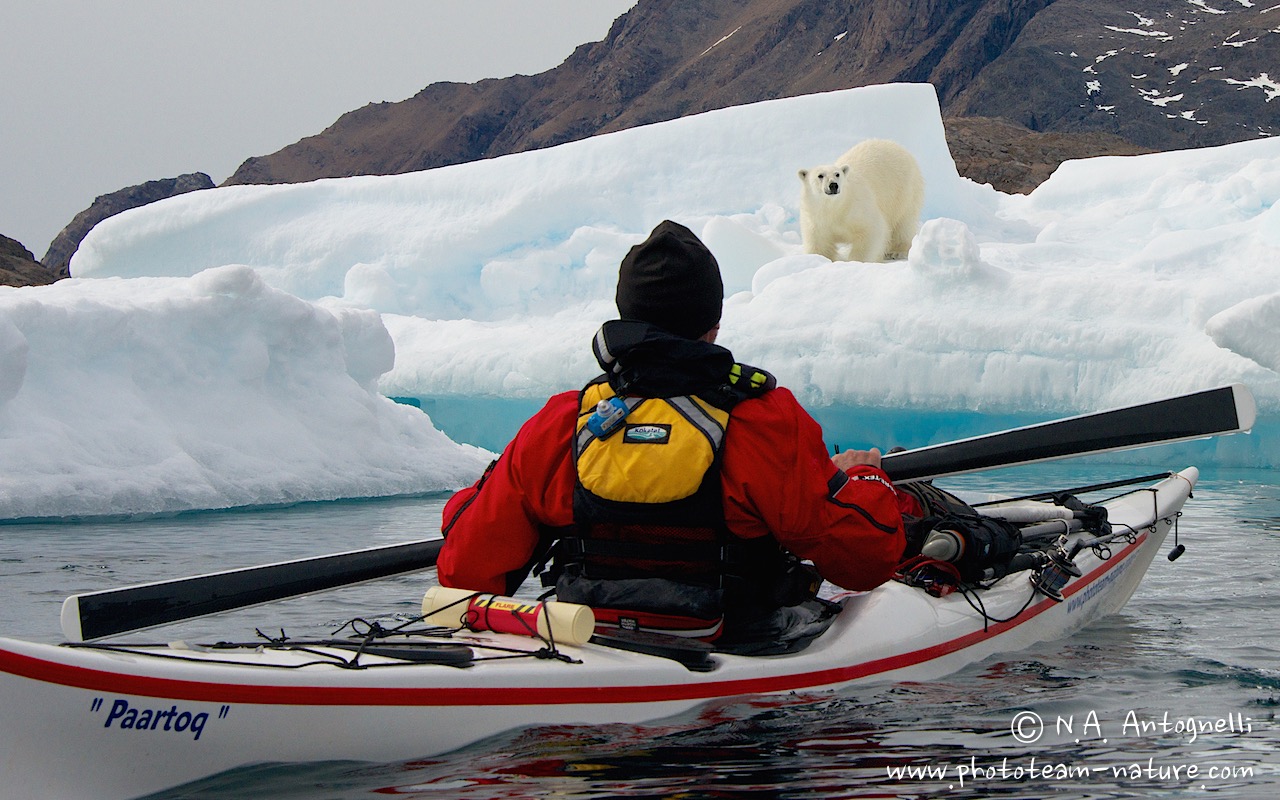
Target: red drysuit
x=777, y=479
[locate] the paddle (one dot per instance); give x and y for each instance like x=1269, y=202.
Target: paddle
x=93, y=615
x=1228, y=409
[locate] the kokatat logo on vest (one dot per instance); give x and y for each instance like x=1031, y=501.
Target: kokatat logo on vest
x=647, y=434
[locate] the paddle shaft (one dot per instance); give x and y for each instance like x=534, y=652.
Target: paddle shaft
x=1229, y=409
x=113, y=611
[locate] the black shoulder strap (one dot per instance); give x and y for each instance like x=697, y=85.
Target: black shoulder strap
x=751, y=381
x=745, y=381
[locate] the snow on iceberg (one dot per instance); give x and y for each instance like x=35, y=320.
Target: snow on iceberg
x=159, y=395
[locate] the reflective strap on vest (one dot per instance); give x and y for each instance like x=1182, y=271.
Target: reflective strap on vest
x=700, y=419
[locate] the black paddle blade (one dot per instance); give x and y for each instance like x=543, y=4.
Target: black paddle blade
x=1228, y=409
x=97, y=614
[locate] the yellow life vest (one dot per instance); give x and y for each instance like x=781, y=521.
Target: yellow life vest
x=658, y=450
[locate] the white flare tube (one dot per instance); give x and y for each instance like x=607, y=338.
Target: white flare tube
x=1022, y=514
x=562, y=623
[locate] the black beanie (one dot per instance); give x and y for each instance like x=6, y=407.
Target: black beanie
x=671, y=280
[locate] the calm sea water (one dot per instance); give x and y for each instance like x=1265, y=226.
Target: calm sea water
x=1124, y=704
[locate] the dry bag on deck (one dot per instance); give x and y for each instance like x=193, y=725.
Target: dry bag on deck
x=953, y=531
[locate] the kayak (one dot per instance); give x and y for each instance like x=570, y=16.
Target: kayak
x=102, y=720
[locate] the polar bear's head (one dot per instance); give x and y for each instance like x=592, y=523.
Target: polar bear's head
x=824, y=180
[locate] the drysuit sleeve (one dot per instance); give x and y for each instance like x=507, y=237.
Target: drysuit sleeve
x=493, y=528
x=778, y=479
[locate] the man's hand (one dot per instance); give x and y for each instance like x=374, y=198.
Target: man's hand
x=853, y=458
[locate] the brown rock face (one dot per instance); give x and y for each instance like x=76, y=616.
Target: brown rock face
x=1016, y=160
x=18, y=267
x=65, y=243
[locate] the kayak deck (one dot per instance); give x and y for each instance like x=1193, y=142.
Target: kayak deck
x=119, y=720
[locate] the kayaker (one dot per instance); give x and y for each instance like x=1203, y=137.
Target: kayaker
x=680, y=492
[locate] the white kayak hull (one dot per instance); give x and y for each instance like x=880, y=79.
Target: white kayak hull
x=83, y=722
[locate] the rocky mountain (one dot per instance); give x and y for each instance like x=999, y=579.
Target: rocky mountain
x=1164, y=74
x=65, y=243
x=1048, y=78
x=18, y=267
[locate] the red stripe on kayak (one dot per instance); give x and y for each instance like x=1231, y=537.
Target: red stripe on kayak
x=199, y=691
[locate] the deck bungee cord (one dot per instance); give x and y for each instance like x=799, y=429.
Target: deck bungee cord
x=371, y=638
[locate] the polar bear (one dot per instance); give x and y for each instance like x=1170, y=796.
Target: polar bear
x=869, y=200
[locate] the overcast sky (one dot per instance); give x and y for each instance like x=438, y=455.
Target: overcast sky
x=97, y=95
